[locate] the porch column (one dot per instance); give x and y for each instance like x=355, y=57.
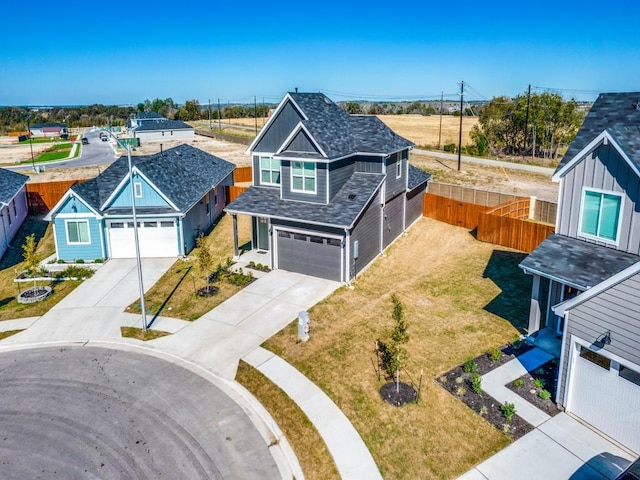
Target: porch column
x=236, y=253
x=534, y=309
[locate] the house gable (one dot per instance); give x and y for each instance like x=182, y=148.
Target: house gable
x=278, y=129
x=146, y=194
x=300, y=141
x=73, y=204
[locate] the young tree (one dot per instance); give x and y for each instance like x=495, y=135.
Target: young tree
x=392, y=355
x=205, y=259
x=31, y=258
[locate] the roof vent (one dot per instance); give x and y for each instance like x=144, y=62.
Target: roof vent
x=352, y=196
x=326, y=100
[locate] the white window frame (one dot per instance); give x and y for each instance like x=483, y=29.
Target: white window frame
x=137, y=189
x=66, y=231
x=270, y=170
x=304, y=177
x=15, y=209
x=399, y=167
x=618, y=227
x=215, y=196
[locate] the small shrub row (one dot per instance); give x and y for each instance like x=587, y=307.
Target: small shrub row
x=258, y=266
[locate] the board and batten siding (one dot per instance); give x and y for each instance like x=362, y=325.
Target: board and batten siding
x=301, y=143
x=339, y=172
x=602, y=169
x=279, y=129
x=150, y=197
x=320, y=196
x=615, y=310
x=393, y=220
x=394, y=185
x=366, y=232
x=369, y=164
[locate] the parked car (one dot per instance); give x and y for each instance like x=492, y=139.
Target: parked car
x=85, y=141
x=632, y=472
x=105, y=138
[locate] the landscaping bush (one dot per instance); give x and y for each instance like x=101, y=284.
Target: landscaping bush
x=73, y=271
x=495, y=354
x=508, y=411
x=450, y=147
x=476, y=383
x=470, y=366
x=545, y=394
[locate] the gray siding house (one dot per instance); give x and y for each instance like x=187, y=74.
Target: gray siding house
x=330, y=190
x=586, y=275
x=13, y=205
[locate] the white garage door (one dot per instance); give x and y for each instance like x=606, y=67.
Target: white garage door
x=157, y=239
x=606, y=394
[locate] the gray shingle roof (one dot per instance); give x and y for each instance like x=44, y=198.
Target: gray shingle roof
x=417, y=177
x=340, y=134
x=49, y=124
x=163, y=124
x=10, y=184
x=344, y=209
x=183, y=174
x=617, y=112
x=147, y=115
x=576, y=262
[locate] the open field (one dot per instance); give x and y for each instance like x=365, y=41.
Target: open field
x=461, y=298
x=423, y=130
x=11, y=152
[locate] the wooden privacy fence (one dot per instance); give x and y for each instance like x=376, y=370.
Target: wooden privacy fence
x=234, y=192
x=518, y=208
x=512, y=232
x=42, y=197
x=243, y=174
x=453, y=212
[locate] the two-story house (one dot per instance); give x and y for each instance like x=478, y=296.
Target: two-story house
x=586, y=276
x=330, y=190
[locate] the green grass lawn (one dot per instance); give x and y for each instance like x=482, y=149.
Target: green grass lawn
x=11, y=264
x=461, y=298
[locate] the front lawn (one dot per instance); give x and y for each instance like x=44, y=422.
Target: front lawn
x=461, y=298
x=174, y=295
x=11, y=264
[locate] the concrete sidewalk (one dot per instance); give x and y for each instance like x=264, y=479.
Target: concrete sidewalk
x=559, y=448
x=351, y=456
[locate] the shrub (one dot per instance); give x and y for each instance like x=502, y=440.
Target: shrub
x=460, y=391
x=544, y=394
x=470, y=366
x=73, y=271
x=539, y=383
x=99, y=260
x=519, y=383
x=516, y=343
x=476, y=383
x=449, y=147
x=508, y=411
x=459, y=380
x=79, y=260
x=495, y=354
x=483, y=410
x=60, y=261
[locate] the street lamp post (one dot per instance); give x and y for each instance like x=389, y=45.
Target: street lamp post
x=135, y=230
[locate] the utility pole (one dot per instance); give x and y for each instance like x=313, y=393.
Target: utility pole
x=219, y=116
x=209, y=114
x=461, y=113
x=33, y=162
x=526, y=124
x=440, y=131
x=255, y=113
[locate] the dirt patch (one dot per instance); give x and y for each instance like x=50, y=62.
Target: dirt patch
x=232, y=152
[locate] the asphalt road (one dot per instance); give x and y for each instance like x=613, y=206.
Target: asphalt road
x=90, y=412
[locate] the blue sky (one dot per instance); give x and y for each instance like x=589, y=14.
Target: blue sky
x=123, y=53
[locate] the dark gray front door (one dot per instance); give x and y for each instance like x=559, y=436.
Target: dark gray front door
x=309, y=255
x=263, y=233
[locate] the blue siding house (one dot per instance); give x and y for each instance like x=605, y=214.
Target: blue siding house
x=586, y=275
x=13, y=205
x=330, y=190
x=178, y=194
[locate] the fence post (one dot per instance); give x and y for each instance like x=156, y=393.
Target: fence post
x=532, y=208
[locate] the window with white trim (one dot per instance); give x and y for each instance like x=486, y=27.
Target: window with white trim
x=269, y=171
x=15, y=210
x=78, y=232
x=399, y=168
x=303, y=177
x=137, y=189
x=600, y=214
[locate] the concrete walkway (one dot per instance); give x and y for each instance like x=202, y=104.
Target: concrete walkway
x=94, y=313
x=559, y=448
x=349, y=452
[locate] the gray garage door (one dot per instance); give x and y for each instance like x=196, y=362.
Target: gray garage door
x=309, y=255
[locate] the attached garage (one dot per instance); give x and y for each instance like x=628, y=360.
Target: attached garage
x=309, y=254
x=606, y=394
x=157, y=238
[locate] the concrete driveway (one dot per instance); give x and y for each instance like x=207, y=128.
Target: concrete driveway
x=94, y=310
x=236, y=327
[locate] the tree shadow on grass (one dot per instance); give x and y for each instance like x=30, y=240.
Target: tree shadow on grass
x=512, y=303
x=13, y=255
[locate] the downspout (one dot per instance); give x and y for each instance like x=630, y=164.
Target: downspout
x=561, y=363
x=347, y=253
x=4, y=229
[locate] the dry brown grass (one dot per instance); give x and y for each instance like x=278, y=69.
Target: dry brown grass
x=174, y=294
x=423, y=130
x=449, y=284
x=139, y=334
x=312, y=453
x=12, y=263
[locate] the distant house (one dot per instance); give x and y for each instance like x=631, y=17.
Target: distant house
x=330, y=190
x=179, y=194
x=49, y=130
x=163, y=129
x=13, y=205
x=586, y=276
x=141, y=117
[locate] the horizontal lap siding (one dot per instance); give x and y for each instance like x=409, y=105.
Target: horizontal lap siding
x=74, y=252
x=393, y=219
x=415, y=203
x=339, y=173
x=320, y=196
x=616, y=310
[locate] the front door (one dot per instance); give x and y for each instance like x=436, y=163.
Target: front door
x=263, y=233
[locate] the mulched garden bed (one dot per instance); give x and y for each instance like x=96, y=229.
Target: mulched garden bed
x=458, y=382
x=526, y=387
x=398, y=395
